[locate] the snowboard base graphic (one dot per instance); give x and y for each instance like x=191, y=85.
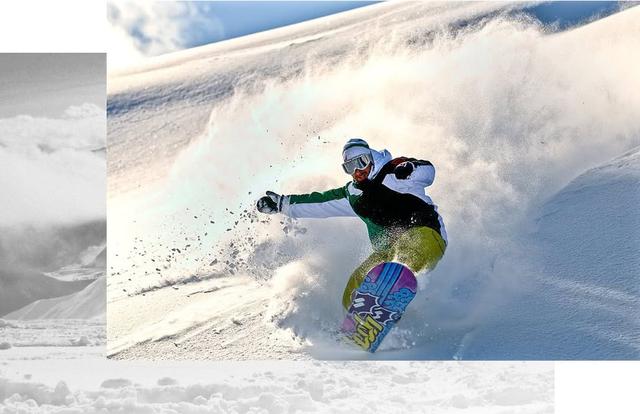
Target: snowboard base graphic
x=378, y=304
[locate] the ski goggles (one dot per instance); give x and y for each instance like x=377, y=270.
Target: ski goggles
x=358, y=163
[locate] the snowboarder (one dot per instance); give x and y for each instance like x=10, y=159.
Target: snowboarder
x=388, y=194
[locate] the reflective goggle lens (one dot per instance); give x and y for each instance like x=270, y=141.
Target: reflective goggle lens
x=358, y=163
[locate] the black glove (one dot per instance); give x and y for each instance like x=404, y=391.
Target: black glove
x=404, y=170
x=270, y=204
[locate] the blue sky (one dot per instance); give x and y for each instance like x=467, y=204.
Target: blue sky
x=569, y=13
x=241, y=18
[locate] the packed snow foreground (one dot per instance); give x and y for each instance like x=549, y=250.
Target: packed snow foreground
x=534, y=137
x=99, y=386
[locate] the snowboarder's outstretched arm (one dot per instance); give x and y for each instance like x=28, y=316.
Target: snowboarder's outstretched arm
x=331, y=203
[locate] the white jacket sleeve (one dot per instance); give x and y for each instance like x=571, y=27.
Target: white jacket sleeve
x=424, y=174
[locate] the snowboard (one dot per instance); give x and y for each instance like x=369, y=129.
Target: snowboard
x=378, y=304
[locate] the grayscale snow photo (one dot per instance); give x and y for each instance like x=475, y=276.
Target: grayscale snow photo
x=52, y=207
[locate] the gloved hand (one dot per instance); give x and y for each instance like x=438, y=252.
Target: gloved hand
x=270, y=204
x=404, y=170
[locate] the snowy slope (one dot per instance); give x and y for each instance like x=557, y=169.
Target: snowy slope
x=48, y=261
x=21, y=287
x=89, y=303
x=584, y=292
x=509, y=111
x=593, y=222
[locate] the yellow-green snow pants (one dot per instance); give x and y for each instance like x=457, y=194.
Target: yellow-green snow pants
x=419, y=248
